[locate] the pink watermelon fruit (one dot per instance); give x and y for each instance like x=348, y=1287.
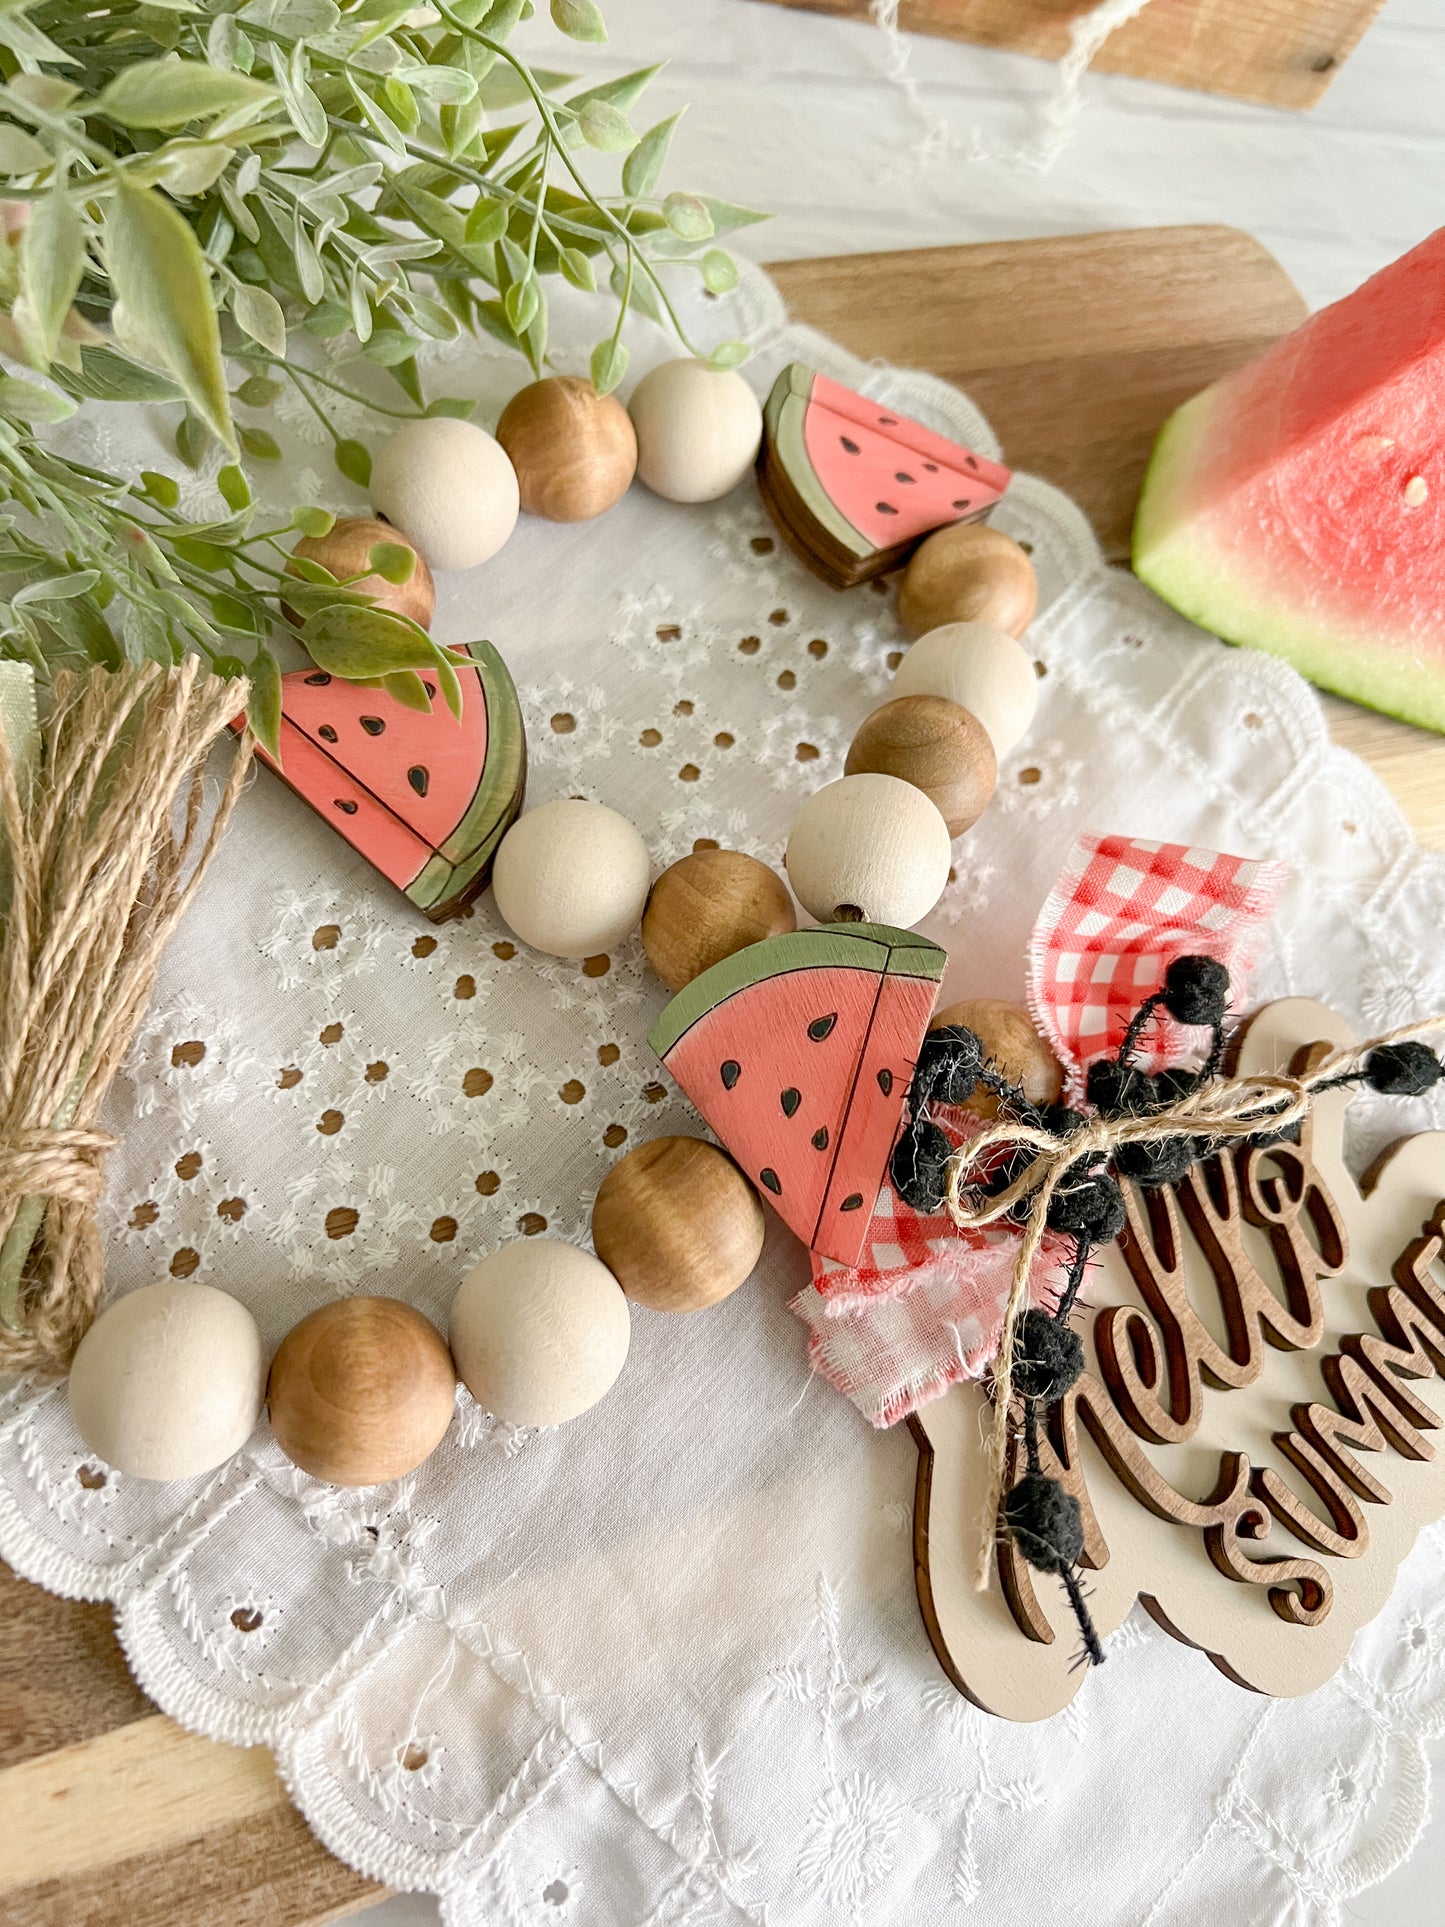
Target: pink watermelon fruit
x=1298, y=505
x=798, y=1052
x=426, y=798
x=854, y=486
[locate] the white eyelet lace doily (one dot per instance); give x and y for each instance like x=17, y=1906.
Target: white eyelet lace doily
x=665, y=1665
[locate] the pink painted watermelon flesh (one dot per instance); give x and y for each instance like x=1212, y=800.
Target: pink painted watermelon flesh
x=350, y=809
x=888, y=491
x=423, y=768
x=925, y=442
x=1298, y=506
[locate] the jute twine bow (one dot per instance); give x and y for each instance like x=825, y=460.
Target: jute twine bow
x=1222, y=1110
x=104, y=853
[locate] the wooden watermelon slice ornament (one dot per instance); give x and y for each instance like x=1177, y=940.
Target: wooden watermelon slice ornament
x=798, y=1052
x=855, y=487
x=425, y=797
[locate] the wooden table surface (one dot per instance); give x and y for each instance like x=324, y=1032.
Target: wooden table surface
x=1077, y=349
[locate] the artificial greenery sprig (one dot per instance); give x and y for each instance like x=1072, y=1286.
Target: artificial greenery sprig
x=187, y=180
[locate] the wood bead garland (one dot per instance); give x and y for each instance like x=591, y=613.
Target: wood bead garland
x=168, y=1381
x=571, y=878
x=869, y=847
x=938, y=747
x=677, y=1224
x=1011, y=1045
x=698, y=430
x=575, y=451
x=449, y=487
x=980, y=666
x=968, y=573
x=708, y=905
x=361, y=1391
x=346, y=552
x=539, y=1331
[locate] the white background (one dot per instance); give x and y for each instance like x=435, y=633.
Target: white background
x=796, y=113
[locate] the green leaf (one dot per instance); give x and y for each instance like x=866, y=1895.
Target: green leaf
x=687, y=216
x=447, y=86
x=729, y=354
x=521, y=302
x=43, y=90
x=191, y=440
x=579, y=19
x=263, y=712
x=257, y=442
x=623, y=92
x=21, y=153
x=203, y=555
x=577, y=269
x=385, y=130
x=407, y=687
x=235, y=489
x=308, y=116
x=104, y=375
x=719, y=272
x=609, y=365
x=259, y=313
x=52, y=261
x=163, y=289
x=160, y=488
x=313, y=521
x=643, y=167
x=168, y=93
x=726, y=215
x=356, y=642
x=456, y=406
x=27, y=402
x=183, y=167
x=486, y=223
x=57, y=588
x=257, y=392
x=401, y=104
x=394, y=562
x=606, y=127
x=233, y=615
x=354, y=462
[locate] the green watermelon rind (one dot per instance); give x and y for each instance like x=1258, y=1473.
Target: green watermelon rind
x=874, y=947
x=462, y=865
x=783, y=416
x=1210, y=588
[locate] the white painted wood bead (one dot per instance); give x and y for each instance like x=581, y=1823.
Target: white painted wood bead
x=450, y=488
x=168, y=1381
x=980, y=667
x=869, y=843
x=571, y=878
x=698, y=430
x=539, y=1331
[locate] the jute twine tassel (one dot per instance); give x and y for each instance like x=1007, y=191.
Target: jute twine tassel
x=105, y=854
x=1223, y=1111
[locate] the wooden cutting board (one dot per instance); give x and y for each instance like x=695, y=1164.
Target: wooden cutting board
x=1077, y=349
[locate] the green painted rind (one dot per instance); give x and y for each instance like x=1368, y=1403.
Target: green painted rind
x=499, y=792
x=875, y=947
x=787, y=405
x=1191, y=570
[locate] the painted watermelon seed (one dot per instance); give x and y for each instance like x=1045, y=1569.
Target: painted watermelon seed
x=373, y=725
x=887, y=421
x=790, y=1100
x=418, y=778
x=852, y=1201
x=962, y=504
x=972, y=460
x=901, y=475
x=347, y=808
x=430, y=688
x=769, y=1178
x=930, y=468
x=820, y=1138
x=319, y=680
x=327, y=733
x=850, y=447
x=821, y=1026
x=885, y=1081
x=730, y=1072
x=887, y=508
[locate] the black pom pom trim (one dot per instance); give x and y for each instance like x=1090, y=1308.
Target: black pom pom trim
x=1161, y=1163
x=1044, y=1522
x=1048, y=1356
x=949, y=1063
x=1118, y=1090
x=918, y=1163
x=1196, y=990
x=1089, y=1207
x=1403, y=1070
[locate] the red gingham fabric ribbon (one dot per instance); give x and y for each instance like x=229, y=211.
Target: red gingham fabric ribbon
x=1119, y=914
x=925, y=1307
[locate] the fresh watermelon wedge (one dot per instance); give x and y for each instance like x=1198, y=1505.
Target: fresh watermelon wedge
x=1298, y=506
x=855, y=487
x=425, y=798
x=798, y=1052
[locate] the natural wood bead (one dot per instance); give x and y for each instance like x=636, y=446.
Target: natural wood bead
x=980, y=666
x=571, y=878
x=677, y=1224
x=698, y=429
x=938, y=747
x=968, y=573
x=575, y=451
x=346, y=551
x=361, y=1391
x=1011, y=1045
x=450, y=485
x=707, y=906
x=869, y=847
